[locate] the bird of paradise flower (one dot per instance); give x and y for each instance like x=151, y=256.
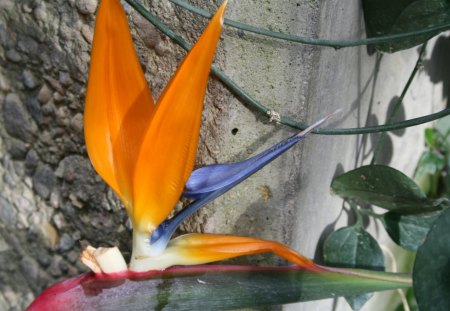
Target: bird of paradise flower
x=146, y=151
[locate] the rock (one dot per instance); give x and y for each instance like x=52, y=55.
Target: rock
x=34, y=108
x=7, y=213
x=4, y=84
x=162, y=49
x=77, y=123
x=44, y=94
x=58, y=97
x=31, y=162
x=73, y=256
x=50, y=235
x=18, y=149
x=87, y=7
x=30, y=269
x=66, y=243
x=59, y=221
x=27, y=45
x=55, y=84
x=13, y=56
x=87, y=33
x=17, y=121
x=44, y=180
x=3, y=245
x=65, y=79
x=48, y=109
x=81, y=185
x=146, y=31
x=55, y=269
x=54, y=200
x=29, y=80
x=40, y=13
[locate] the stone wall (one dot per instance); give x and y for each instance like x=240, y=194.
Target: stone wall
x=52, y=202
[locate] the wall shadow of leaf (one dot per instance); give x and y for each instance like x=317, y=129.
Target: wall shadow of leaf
x=438, y=65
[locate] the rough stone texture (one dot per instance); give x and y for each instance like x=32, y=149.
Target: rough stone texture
x=52, y=201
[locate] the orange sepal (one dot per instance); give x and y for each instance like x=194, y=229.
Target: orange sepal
x=195, y=248
x=167, y=155
x=119, y=104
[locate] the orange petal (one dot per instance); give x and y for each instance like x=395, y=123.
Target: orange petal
x=170, y=144
x=194, y=249
x=118, y=102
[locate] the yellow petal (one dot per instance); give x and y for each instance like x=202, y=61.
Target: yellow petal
x=195, y=249
x=118, y=102
x=168, y=152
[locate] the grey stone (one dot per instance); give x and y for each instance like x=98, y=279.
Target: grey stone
x=54, y=268
x=66, y=242
x=13, y=56
x=44, y=94
x=77, y=123
x=31, y=161
x=44, y=180
x=48, y=109
x=65, y=79
x=18, y=149
x=28, y=45
x=4, y=83
x=59, y=221
x=87, y=33
x=29, y=268
x=73, y=256
x=55, y=84
x=34, y=108
x=146, y=31
x=40, y=13
x=7, y=213
x=87, y=7
x=29, y=79
x=16, y=119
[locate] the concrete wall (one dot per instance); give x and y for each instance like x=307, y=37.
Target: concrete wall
x=51, y=202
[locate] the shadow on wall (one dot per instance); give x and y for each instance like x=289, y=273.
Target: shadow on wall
x=438, y=65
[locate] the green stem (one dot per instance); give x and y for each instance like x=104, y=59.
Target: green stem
x=399, y=102
x=253, y=103
x=313, y=41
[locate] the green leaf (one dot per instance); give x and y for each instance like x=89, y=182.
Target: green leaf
x=409, y=231
x=385, y=187
x=211, y=288
x=431, y=272
x=355, y=248
x=385, y=17
x=428, y=172
x=431, y=138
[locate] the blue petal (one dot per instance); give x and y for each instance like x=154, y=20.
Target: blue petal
x=210, y=182
x=214, y=177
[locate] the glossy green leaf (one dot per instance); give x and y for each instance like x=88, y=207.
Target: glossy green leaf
x=384, y=17
x=431, y=138
x=385, y=187
x=353, y=247
x=211, y=288
x=432, y=267
x=428, y=172
x=409, y=231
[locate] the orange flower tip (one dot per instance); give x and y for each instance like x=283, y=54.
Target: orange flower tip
x=221, y=11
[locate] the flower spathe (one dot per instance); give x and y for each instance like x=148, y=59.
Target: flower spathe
x=146, y=151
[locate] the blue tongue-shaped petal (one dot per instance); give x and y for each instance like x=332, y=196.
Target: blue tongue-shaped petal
x=210, y=178
x=209, y=182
